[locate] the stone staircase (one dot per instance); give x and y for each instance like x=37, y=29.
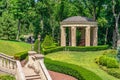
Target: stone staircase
x=33, y=70
x=30, y=74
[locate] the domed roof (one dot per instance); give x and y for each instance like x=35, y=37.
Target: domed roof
x=78, y=19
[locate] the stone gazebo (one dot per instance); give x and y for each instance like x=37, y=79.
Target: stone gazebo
x=88, y=28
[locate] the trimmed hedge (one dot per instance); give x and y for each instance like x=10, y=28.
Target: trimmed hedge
x=70, y=69
x=53, y=50
x=70, y=48
x=21, y=56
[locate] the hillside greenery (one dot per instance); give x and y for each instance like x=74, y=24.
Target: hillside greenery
x=12, y=47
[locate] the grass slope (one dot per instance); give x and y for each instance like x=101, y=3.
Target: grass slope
x=84, y=59
x=12, y=47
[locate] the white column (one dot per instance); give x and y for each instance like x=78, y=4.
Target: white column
x=73, y=36
x=63, y=36
x=95, y=36
x=69, y=36
x=87, y=36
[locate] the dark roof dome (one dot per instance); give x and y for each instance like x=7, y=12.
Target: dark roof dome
x=78, y=19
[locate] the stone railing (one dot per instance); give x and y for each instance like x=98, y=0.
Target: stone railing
x=44, y=70
x=10, y=66
x=38, y=66
x=7, y=64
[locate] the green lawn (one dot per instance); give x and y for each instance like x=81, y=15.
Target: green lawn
x=84, y=59
x=12, y=47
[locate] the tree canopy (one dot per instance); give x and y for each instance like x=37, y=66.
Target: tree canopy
x=23, y=17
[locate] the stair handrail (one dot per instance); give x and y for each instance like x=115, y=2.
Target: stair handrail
x=18, y=69
x=47, y=75
x=6, y=55
x=20, y=75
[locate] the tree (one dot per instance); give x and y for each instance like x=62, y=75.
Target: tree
x=94, y=7
x=116, y=14
x=20, y=9
x=7, y=26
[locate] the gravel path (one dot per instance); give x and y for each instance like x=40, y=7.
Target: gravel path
x=60, y=76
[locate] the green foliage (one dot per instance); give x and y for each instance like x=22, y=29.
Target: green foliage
x=36, y=45
x=76, y=71
x=6, y=77
x=69, y=48
x=21, y=56
x=53, y=50
x=114, y=73
x=118, y=53
x=108, y=62
x=84, y=59
x=48, y=43
x=7, y=26
x=12, y=47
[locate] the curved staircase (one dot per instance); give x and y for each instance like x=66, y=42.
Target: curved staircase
x=33, y=70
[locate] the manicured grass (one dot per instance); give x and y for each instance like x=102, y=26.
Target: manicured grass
x=12, y=47
x=84, y=59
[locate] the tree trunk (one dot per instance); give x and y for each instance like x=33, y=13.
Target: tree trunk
x=18, y=34
x=42, y=27
x=106, y=36
x=117, y=30
x=114, y=38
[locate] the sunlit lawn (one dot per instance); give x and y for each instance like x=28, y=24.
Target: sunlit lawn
x=84, y=59
x=12, y=47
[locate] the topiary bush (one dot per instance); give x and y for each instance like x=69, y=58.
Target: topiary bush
x=48, y=43
x=21, y=56
x=70, y=69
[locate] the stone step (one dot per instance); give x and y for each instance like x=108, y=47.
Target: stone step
x=33, y=77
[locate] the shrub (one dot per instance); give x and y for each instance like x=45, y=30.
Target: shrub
x=21, y=56
x=118, y=53
x=109, y=62
x=112, y=63
x=48, y=43
x=6, y=77
x=103, y=60
x=114, y=73
x=74, y=70
x=36, y=45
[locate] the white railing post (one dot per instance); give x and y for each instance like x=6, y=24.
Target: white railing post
x=40, y=59
x=20, y=75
